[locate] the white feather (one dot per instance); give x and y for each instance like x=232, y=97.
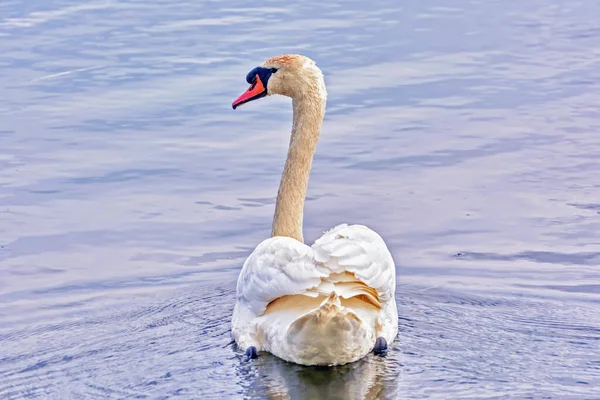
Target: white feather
x=278, y=266
x=324, y=304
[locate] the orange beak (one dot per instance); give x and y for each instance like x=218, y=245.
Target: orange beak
x=255, y=91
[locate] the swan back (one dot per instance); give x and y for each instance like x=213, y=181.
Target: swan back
x=319, y=305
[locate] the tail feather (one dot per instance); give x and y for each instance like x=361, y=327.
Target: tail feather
x=333, y=323
x=347, y=286
x=330, y=332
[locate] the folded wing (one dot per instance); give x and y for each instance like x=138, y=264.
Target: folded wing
x=279, y=266
x=351, y=260
x=357, y=250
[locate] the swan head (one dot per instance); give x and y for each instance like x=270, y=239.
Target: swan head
x=290, y=75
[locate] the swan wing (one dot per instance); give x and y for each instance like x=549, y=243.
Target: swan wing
x=279, y=266
x=361, y=251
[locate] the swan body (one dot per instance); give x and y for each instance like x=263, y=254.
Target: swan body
x=327, y=304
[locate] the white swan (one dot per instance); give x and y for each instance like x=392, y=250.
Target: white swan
x=328, y=304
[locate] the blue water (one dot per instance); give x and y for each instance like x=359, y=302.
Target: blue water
x=467, y=133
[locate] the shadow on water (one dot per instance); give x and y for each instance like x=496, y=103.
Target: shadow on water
x=269, y=377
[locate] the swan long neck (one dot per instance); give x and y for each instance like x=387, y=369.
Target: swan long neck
x=289, y=210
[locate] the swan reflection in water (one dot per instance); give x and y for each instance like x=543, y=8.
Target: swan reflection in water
x=370, y=378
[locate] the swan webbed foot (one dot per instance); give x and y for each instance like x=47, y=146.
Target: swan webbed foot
x=380, y=346
x=251, y=353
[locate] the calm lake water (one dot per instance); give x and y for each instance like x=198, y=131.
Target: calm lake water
x=467, y=133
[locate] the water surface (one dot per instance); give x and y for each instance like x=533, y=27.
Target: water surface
x=465, y=133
